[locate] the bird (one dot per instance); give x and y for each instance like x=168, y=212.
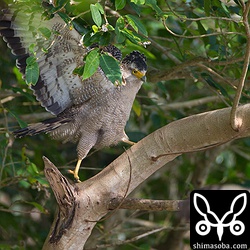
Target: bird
x=91, y=113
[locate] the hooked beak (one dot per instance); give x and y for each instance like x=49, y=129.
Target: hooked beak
x=144, y=78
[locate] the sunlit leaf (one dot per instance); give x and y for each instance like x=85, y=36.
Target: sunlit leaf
x=95, y=28
x=32, y=169
x=137, y=107
x=138, y=1
x=120, y=23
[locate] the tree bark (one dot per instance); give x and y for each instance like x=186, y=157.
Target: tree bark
x=82, y=205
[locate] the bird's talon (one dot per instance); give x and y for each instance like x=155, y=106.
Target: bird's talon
x=75, y=175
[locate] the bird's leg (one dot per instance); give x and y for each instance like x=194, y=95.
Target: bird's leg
x=76, y=170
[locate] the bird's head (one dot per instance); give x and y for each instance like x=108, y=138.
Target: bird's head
x=134, y=65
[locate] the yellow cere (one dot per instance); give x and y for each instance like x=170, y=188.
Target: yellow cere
x=138, y=73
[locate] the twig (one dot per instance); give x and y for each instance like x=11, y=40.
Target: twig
x=138, y=237
x=218, y=76
x=34, y=117
x=145, y=204
x=179, y=70
x=200, y=18
x=191, y=103
x=198, y=36
x=236, y=123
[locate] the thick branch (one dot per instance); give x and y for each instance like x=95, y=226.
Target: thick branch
x=143, y=159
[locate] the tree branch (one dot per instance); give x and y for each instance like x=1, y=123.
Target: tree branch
x=93, y=196
x=65, y=194
x=235, y=122
x=145, y=204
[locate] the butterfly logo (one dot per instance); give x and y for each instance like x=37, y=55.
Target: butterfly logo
x=210, y=219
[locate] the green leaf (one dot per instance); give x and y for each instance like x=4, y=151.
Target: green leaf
x=96, y=16
x=32, y=48
x=61, y=3
x=31, y=71
x=18, y=75
x=136, y=24
x=45, y=32
x=90, y=39
x=87, y=38
x=64, y=17
x=120, y=4
x=32, y=169
x=78, y=71
x=21, y=123
x=5, y=246
x=221, y=8
x=100, y=8
x=111, y=68
x=37, y=205
x=105, y=39
x=138, y=1
x=110, y=27
x=28, y=95
x=136, y=8
x=133, y=37
x=207, y=6
x=154, y=6
x=202, y=30
x=137, y=107
x=215, y=85
x=92, y=63
x=120, y=37
x=95, y=28
x=120, y=23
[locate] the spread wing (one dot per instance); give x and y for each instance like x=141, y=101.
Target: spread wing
x=58, y=52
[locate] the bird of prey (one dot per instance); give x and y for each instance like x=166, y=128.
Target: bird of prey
x=91, y=112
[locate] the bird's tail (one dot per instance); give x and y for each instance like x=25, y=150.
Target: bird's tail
x=41, y=127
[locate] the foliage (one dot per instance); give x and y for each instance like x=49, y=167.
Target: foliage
x=195, y=50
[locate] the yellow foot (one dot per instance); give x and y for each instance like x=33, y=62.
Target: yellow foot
x=75, y=175
x=76, y=170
